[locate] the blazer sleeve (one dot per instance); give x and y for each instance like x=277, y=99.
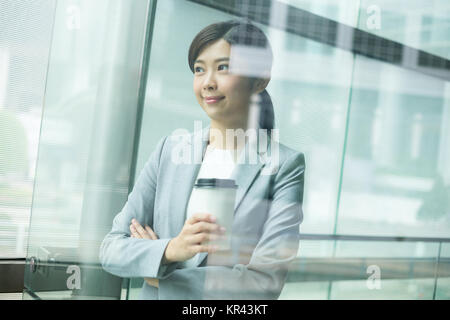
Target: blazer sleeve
x=127, y=257
x=264, y=276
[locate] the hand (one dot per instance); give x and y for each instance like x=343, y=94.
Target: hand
x=137, y=231
x=197, y=231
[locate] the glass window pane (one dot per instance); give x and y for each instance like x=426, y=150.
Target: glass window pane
x=310, y=88
x=348, y=269
x=86, y=145
x=26, y=28
x=396, y=176
x=410, y=22
x=394, y=270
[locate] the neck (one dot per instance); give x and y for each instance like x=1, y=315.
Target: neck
x=218, y=136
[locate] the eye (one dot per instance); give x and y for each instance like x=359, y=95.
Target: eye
x=223, y=65
x=198, y=69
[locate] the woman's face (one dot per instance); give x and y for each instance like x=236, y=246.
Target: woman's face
x=224, y=96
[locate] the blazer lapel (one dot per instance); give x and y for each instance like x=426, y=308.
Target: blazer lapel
x=247, y=168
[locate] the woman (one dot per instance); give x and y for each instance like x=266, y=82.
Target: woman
x=153, y=238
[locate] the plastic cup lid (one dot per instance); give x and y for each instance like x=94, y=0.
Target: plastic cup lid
x=214, y=182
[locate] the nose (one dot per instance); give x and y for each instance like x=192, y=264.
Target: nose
x=210, y=82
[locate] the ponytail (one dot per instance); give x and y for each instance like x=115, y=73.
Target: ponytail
x=266, y=114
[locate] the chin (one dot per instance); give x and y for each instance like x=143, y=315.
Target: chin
x=215, y=116
x=214, y=111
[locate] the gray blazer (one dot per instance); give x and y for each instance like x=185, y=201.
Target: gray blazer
x=267, y=216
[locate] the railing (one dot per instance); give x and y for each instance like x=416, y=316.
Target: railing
x=51, y=275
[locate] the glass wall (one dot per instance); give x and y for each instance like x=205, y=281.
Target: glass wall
x=25, y=38
x=410, y=22
x=375, y=136
x=363, y=270
x=395, y=176
x=86, y=145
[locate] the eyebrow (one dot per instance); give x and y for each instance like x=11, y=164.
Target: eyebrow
x=217, y=60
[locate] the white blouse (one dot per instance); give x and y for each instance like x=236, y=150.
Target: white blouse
x=217, y=163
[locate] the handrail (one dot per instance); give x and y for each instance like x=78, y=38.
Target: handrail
x=313, y=236
x=344, y=268
x=302, y=269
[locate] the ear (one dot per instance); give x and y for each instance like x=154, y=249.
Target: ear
x=260, y=84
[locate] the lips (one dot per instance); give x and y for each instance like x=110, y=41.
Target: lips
x=214, y=99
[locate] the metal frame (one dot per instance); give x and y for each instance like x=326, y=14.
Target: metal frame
x=151, y=13
x=12, y=272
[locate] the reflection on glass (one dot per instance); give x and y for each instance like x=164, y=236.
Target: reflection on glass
x=341, y=11
x=230, y=61
x=402, y=270
x=24, y=51
x=86, y=146
x=410, y=22
x=310, y=100
x=397, y=122
x=364, y=270
x=394, y=178
x=375, y=137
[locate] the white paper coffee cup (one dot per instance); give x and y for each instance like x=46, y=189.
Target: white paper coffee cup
x=217, y=197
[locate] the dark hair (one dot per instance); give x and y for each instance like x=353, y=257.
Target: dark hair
x=239, y=32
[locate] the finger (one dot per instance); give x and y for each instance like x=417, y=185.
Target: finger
x=152, y=281
x=134, y=233
x=144, y=234
x=197, y=217
x=152, y=234
x=205, y=248
x=206, y=227
x=200, y=238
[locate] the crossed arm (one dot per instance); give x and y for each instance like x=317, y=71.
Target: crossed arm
x=264, y=276
x=131, y=256
x=139, y=232
x=197, y=230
